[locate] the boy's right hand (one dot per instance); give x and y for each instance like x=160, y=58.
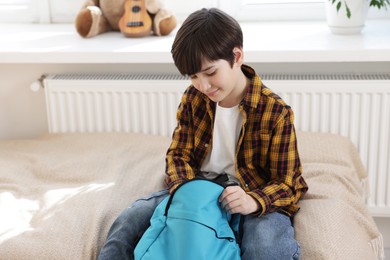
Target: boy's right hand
x=235, y=200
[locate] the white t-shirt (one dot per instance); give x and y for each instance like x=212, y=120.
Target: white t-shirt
x=221, y=158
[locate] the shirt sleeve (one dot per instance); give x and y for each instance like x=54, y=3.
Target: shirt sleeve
x=180, y=163
x=287, y=184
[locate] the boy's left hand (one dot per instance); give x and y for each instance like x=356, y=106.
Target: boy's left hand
x=235, y=200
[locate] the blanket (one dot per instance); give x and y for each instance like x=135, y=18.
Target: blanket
x=59, y=194
x=333, y=219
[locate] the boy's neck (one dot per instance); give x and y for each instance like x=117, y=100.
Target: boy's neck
x=238, y=93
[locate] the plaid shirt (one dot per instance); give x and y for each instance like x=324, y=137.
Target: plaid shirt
x=267, y=160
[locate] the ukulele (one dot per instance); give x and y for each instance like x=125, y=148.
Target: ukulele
x=135, y=22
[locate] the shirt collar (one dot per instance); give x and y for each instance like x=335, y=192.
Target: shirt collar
x=252, y=96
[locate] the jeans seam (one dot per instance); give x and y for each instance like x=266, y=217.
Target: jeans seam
x=297, y=252
x=158, y=194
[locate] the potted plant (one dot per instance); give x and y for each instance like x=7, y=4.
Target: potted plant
x=352, y=16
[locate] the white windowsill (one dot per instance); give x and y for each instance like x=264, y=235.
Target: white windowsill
x=263, y=42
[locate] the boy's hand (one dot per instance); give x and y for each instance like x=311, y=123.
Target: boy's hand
x=235, y=200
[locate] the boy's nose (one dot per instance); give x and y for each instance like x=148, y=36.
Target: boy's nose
x=203, y=85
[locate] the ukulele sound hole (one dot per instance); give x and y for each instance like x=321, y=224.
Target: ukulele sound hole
x=136, y=9
x=135, y=24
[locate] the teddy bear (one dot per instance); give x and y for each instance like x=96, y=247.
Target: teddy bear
x=100, y=16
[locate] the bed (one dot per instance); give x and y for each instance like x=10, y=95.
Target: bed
x=60, y=193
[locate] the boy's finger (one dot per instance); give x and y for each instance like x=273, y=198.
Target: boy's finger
x=226, y=192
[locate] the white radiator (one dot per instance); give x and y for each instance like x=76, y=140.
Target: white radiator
x=354, y=106
x=113, y=103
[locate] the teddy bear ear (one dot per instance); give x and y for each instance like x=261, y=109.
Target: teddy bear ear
x=164, y=23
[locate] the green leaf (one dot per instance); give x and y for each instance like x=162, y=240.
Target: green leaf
x=380, y=3
x=338, y=6
x=348, y=11
x=375, y=3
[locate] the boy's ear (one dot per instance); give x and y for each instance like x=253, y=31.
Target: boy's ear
x=238, y=56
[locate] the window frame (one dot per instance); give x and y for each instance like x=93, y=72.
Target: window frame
x=59, y=11
x=21, y=11
x=293, y=10
x=275, y=10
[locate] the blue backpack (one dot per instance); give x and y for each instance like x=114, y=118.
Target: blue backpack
x=191, y=225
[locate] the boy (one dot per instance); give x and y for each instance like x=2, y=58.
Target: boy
x=228, y=123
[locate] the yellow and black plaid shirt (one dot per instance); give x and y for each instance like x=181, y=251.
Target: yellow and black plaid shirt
x=267, y=160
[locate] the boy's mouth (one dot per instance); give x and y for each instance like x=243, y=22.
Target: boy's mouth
x=212, y=93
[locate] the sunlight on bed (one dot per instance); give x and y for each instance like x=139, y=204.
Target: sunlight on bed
x=57, y=197
x=16, y=215
x=20, y=215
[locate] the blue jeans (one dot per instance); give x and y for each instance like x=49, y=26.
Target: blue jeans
x=268, y=237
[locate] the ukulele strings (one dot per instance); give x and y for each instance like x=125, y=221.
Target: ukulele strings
x=138, y=14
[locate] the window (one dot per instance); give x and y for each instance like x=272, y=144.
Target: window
x=23, y=11
x=284, y=10
x=182, y=8
x=271, y=10
x=39, y=11
x=60, y=11
x=64, y=11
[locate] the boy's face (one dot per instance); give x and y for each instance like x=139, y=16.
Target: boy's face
x=220, y=81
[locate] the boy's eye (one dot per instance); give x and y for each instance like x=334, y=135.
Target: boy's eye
x=212, y=73
x=192, y=76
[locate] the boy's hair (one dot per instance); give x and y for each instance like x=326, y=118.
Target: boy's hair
x=207, y=34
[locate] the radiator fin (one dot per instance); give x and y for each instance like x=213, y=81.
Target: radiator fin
x=326, y=77
x=118, y=77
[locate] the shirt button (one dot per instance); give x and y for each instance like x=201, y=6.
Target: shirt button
x=206, y=145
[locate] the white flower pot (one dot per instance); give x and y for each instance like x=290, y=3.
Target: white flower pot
x=339, y=23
